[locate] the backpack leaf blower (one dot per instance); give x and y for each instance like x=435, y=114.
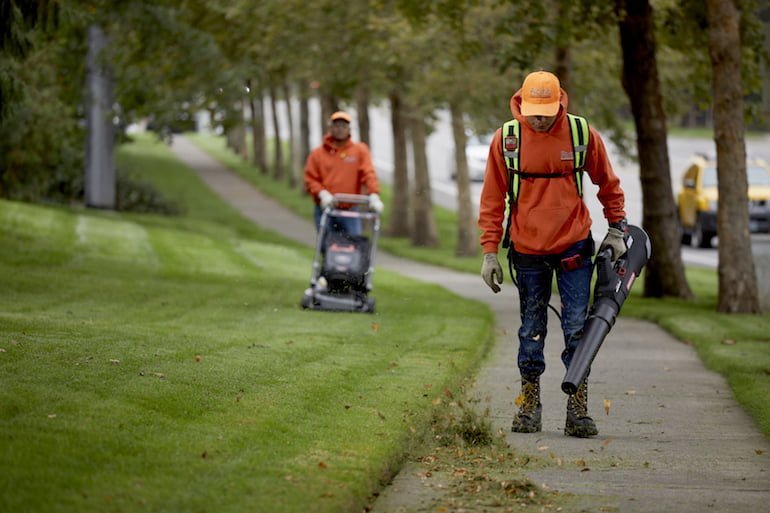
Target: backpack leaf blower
x=611, y=289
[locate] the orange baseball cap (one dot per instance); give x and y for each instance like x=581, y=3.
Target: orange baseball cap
x=344, y=116
x=540, y=94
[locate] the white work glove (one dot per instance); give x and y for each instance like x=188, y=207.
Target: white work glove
x=375, y=203
x=325, y=198
x=615, y=241
x=491, y=272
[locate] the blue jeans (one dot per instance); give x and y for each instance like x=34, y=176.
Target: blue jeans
x=339, y=224
x=535, y=276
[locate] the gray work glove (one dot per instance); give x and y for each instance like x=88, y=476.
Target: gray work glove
x=325, y=198
x=375, y=203
x=491, y=272
x=615, y=241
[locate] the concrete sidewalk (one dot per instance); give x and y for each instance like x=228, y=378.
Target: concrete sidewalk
x=672, y=440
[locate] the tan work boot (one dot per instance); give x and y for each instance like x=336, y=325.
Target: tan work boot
x=528, y=419
x=579, y=424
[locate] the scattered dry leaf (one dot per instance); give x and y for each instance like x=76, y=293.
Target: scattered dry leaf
x=322, y=465
x=197, y=358
x=2, y=350
x=114, y=361
x=630, y=392
x=542, y=447
x=728, y=342
x=759, y=452
x=380, y=415
x=448, y=393
x=607, y=404
x=436, y=401
x=51, y=415
x=348, y=406
x=204, y=454
x=580, y=463
x=375, y=327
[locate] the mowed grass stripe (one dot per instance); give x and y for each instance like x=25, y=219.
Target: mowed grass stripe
x=114, y=239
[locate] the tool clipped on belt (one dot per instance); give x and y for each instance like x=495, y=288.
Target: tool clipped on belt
x=555, y=262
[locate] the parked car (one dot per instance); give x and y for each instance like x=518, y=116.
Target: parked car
x=476, y=152
x=697, y=201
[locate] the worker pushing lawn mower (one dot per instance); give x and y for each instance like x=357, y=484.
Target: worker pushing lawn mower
x=336, y=173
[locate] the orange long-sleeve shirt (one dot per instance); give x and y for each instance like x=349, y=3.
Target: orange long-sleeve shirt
x=549, y=215
x=343, y=168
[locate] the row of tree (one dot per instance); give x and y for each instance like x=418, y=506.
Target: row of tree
x=653, y=61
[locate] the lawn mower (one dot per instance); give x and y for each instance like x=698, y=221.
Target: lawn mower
x=343, y=263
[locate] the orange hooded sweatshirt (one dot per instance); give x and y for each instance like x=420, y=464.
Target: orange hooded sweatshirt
x=549, y=216
x=341, y=168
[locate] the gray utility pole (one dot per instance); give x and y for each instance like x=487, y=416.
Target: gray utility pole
x=100, y=161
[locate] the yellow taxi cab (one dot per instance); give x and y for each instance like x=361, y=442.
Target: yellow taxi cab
x=697, y=200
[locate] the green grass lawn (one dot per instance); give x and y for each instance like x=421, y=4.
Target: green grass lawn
x=152, y=363
x=736, y=346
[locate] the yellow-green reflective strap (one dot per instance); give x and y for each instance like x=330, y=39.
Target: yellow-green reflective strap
x=512, y=128
x=578, y=127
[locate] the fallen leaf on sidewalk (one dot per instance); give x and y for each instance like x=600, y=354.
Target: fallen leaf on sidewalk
x=759, y=452
x=607, y=404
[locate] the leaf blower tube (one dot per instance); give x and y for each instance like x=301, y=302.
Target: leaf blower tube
x=613, y=284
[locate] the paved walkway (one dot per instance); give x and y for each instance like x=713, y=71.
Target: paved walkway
x=673, y=440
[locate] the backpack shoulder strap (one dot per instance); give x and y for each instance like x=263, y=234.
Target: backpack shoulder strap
x=578, y=128
x=511, y=141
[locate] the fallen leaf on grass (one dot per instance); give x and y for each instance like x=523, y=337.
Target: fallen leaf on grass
x=51, y=415
x=607, y=404
x=728, y=342
x=322, y=465
x=2, y=350
x=375, y=327
x=197, y=358
x=114, y=361
x=380, y=415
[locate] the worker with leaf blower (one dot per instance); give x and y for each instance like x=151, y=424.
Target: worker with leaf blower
x=535, y=171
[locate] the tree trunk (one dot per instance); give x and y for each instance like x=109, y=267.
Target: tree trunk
x=424, y=231
x=304, y=124
x=293, y=164
x=467, y=240
x=329, y=105
x=278, y=168
x=664, y=275
x=362, y=107
x=737, y=279
x=236, y=134
x=257, y=105
x=399, y=211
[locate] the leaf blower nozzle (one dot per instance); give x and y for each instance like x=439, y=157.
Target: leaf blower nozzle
x=611, y=289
